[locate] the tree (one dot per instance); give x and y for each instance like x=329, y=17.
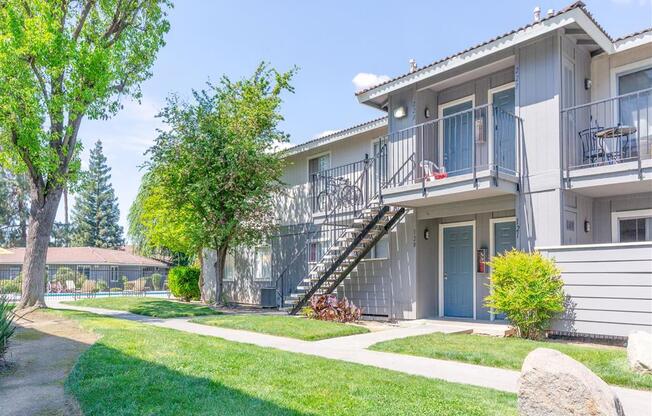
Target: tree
x=96, y=213
x=158, y=228
x=215, y=163
x=14, y=209
x=61, y=61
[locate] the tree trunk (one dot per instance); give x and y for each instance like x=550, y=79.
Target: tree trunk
x=42, y=213
x=220, y=261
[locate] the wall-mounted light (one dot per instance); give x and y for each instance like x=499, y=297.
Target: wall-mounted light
x=426, y=234
x=587, y=226
x=587, y=83
x=400, y=112
x=426, y=112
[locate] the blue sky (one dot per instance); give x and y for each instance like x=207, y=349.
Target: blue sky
x=331, y=42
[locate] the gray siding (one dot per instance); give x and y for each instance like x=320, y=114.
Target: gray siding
x=609, y=288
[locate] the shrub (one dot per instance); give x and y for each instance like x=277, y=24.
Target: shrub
x=184, y=282
x=89, y=286
x=329, y=308
x=11, y=286
x=527, y=288
x=6, y=325
x=116, y=289
x=101, y=286
x=157, y=279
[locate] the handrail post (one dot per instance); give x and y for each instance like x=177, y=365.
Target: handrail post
x=473, y=139
x=421, y=158
x=638, y=135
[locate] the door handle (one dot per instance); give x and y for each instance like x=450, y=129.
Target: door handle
x=445, y=276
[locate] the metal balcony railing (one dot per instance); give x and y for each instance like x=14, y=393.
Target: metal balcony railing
x=607, y=132
x=483, y=138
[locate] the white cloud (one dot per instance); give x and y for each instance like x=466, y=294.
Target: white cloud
x=364, y=80
x=641, y=3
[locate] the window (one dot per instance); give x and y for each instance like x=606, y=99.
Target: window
x=315, y=165
x=229, y=268
x=380, y=250
x=314, y=252
x=318, y=164
x=263, y=263
x=631, y=226
x=114, y=274
x=633, y=107
x=14, y=272
x=84, y=270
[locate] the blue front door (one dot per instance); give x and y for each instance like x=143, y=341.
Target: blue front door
x=458, y=138
x=458, y=271
x=504, y=240
x=504, y=130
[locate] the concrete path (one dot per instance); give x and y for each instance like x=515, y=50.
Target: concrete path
x=352, y=349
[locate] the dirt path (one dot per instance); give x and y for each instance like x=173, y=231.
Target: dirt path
x=41, y=355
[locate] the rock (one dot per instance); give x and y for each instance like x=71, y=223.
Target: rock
x=639, y=351
x=553, y=384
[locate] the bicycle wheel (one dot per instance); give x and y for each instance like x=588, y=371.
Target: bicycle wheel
x=324, y=201
x=352, y=196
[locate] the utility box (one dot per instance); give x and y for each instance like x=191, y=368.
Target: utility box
x=268, y=297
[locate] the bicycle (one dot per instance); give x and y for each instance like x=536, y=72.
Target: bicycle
x=338, y=193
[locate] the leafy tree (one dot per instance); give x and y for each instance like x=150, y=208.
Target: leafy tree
x=61, y=235
x=61, y=61
x=157, y=227
x=215, y=164
x=96, y=213
x=14, y=209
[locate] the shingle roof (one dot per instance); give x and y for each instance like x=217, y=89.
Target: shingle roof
x=577, y=5
x=631, y=35
x=82, y=255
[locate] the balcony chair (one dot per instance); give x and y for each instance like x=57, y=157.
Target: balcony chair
x=592, y=148
x=431, y=171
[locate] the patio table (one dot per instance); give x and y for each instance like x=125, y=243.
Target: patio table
x=615, y=141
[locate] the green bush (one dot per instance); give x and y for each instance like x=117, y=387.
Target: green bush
x=528, y=289
x=11, y=286
x=184, y=282
x=6, y=325
x=101, y=286
x=157, y=279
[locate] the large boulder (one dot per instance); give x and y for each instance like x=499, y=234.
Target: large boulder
x=553, y=384
x=639, y=351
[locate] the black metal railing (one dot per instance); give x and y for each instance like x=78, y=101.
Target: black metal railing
x=609, y=131
x=483, y=138
x=338, y=196
x=83, y=280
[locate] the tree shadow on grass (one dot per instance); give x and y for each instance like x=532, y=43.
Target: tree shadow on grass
x=169, y=309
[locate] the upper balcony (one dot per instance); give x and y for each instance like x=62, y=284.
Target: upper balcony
x=607, y=143
x=467, y=153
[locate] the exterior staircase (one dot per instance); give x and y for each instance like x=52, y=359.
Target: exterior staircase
x=342, y=258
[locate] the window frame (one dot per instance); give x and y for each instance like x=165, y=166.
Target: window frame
x=232, y=277
x=257, y=264
x=373, y=250
x=617, y=216
x=317, y=156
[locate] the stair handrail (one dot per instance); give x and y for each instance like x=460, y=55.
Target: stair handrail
x=381, y=153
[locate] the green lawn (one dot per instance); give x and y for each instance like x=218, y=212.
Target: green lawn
x=609, y=363
x=157, y=307
x=283, y=325
x=137, y=369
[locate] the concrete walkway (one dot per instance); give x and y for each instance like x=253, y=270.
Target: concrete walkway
x=352, y=349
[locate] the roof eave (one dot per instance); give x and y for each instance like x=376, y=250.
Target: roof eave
x=577, y=15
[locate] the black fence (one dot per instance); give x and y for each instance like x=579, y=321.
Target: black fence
x=82, y=280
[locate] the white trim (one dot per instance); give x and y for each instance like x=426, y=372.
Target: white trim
x=633, y=41
x=336, y=137
x=440, y=113
x=502, y=43
x=616, y=216
x=441, y=263
x=315, y=156
x=492, y=249
x=490, y=102
x=233, y=276
x=256, y=265
x=624, y=70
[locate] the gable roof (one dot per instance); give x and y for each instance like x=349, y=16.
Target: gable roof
x=82, y=255
x=364, y=94
x=337, y=136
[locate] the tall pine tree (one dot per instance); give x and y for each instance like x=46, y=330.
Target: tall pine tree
x=96, y=214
